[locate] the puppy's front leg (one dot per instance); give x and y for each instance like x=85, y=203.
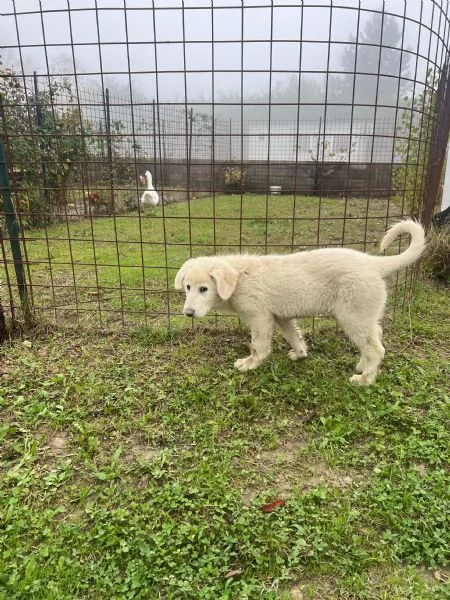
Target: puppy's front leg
x=294, y=336
x=262, y=332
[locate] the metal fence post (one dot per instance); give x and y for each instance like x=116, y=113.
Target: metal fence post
x=154, y=138
x=189, y=157
x=316, y=160
x=109, y=145
x=101, y=141
x=437, y=148
x=163, y=150
x=12, y=226
x=41, y=143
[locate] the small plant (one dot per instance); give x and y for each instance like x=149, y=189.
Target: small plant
x=412, y=144
x=436, y=260
x=234, y=178
x=130, y=204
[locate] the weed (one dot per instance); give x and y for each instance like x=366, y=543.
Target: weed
x=436, y=260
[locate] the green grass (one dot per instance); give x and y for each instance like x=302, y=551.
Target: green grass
x=121, y=269
x=134, y=465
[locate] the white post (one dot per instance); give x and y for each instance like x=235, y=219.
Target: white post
x=446, y=191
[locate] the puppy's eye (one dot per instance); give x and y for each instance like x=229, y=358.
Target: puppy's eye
x=188, y=287
x=203, y=289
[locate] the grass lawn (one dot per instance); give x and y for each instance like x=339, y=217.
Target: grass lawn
x=106, y=270
x=135, y=464
x=135, y=461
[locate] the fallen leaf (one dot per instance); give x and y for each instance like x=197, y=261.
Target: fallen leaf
x=233, y=573
x=27, y=344
x=272, y=505
x=440, y=576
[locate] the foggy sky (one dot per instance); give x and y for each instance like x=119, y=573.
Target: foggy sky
x=120, y=42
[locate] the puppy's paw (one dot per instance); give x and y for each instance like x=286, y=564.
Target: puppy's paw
x=357, y=380
x=296, y=354
x=362, y=379
x=245, y=364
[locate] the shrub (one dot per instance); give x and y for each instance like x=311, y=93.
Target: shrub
x=436, y=260
x=412, y=144
x=234, y=179
x=43, y=143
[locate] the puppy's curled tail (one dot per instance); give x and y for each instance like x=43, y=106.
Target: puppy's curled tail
x=389, y=264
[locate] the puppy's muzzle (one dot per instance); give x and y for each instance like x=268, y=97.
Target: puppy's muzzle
x=189, y=312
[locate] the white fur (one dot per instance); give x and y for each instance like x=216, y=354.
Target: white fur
x=150, y=193
x=272, y=290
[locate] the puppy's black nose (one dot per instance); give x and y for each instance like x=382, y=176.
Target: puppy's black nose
x=189, y=312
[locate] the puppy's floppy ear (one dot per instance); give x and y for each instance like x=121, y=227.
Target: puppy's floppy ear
x=226, y=278
x=179, y=277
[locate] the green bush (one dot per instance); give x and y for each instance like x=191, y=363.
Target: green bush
x=234, y=179
x=436, y=260
x=412, y=145
x=43, y=142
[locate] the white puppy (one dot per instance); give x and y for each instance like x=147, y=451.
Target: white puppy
x=274, y=289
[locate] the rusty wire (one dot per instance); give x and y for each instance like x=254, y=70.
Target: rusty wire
x=347, y=166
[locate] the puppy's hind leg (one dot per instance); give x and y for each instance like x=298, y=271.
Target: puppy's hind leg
x=361, y=366
x=366, y=336
x=293, y=335
x=262, y=331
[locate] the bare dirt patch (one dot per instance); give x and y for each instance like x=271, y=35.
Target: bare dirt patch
x=53, y=446
x=319, y=472
x=57, y=445
x=441, y=575
x=287, y=467
x=7, y=366
x=139, y=451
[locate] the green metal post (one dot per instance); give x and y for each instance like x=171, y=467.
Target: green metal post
x=12, y=226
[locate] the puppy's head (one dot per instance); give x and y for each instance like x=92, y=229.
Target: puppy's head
x=207, y=282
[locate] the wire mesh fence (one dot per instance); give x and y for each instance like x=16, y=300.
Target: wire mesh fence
x=266, y=127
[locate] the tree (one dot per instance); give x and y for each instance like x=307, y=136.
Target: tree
x=378, y=53
x=44, y=145
x=283, y=102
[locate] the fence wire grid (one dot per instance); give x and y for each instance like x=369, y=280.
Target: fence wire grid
x=266, y=127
